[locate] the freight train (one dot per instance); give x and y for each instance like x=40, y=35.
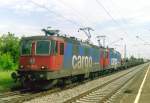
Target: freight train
x=49, y=60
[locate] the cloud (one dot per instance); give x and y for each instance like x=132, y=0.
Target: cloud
x=8, y=2
x=24, y=17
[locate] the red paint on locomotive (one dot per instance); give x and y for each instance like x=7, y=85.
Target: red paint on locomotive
x=104, y=57
x=101, y=58
x=49, y=62
x=107, y=58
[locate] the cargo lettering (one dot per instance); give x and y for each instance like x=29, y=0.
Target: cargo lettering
x=81, y=62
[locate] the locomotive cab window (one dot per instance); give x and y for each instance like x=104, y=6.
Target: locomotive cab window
x=26, y=46
x=42, y=47
x=61, y=48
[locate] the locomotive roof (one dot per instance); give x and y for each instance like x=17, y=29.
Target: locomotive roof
x=61, y=38
x=43, y=38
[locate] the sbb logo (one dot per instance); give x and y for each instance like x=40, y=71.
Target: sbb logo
x=81, y=62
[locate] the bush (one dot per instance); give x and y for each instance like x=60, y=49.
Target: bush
x=6, y=62
x=9, y=51
x=10, y=44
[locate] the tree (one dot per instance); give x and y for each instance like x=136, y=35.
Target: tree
x=6, y=62
x=9, y=51
x=10, y=44
x=132, y=58
x=1, y=45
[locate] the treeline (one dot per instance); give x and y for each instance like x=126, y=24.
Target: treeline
x=9, y=51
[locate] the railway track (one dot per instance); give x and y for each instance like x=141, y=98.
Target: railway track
x=25, y=95
x=10, y=93
x=103, y=93
x=7, y=97
x=75, y=93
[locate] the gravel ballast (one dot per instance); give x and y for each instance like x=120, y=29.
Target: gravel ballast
x=60, y=97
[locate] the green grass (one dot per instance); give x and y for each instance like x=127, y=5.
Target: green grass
x=6, y=82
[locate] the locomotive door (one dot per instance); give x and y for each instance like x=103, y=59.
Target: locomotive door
x=106, y=58
x=102, y=58
x=59, y=54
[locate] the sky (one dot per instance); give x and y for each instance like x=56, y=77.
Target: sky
x=113, y=18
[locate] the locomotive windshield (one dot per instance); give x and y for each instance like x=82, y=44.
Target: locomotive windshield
x=42, y=47
x=26, y=47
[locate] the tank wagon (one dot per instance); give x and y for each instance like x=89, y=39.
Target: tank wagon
x=49, y=60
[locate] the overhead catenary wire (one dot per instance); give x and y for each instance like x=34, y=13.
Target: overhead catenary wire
x=122, y=18
x=78, y=13
x=107, y=12
x=145, y=42
x=75, y=10
x=56, y=14
x=120, y=39
x=62, y=16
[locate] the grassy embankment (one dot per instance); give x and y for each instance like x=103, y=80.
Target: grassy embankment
x=6, y=82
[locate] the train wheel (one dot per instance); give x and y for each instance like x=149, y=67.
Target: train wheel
x=49, y=84
x=61, y=83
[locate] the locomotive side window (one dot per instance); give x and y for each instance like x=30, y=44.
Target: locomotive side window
x=42, y=47
x=61, y=48
x=26, y=47
x=56, y=48
x=52, y=49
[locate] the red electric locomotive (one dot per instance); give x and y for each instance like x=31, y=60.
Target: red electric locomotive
x=48, y=60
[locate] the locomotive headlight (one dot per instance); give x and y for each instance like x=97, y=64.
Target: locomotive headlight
x=21, y=66
x=42, y=67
